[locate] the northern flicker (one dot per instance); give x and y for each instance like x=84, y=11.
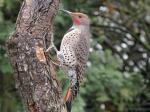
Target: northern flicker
x=73, y=53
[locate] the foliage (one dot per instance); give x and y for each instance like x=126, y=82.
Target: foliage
x=118, y=71
x=108, y=84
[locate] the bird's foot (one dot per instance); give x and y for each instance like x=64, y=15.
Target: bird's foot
x=56, y=62
x=52, y=46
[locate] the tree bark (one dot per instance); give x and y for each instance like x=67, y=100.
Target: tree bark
x=33, y=70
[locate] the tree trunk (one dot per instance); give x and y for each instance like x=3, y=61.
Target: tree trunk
x=33, y=70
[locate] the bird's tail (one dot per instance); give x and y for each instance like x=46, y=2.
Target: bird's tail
x=70, y=95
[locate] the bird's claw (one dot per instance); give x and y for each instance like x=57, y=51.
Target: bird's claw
x=51, y=47
x=57, y=63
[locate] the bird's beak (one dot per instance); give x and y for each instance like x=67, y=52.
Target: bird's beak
x=68, y=12
x=75, y=20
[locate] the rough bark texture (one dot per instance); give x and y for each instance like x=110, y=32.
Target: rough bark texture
x=33, y=71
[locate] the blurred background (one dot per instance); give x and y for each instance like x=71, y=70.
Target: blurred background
x=118, y=74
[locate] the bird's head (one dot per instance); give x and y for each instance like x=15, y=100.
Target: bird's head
x=78, y=18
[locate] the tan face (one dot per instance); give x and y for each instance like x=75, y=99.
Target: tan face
x=79, y=18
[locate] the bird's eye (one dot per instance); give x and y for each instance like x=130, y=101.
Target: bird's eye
x=80, y=16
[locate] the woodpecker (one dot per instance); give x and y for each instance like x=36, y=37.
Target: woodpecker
x=73, y=53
